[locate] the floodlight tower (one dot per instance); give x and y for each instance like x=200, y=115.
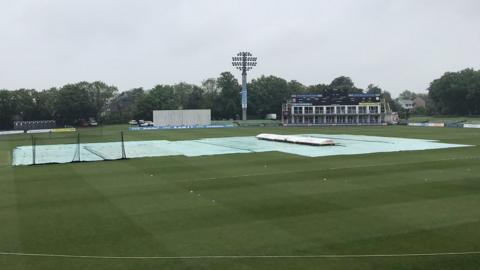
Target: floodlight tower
x=244, y=61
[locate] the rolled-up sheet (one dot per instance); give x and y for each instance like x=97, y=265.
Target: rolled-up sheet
x=295, y=139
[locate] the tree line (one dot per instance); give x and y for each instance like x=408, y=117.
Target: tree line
x=222, y=95
x=456, y=93
x=453, y=93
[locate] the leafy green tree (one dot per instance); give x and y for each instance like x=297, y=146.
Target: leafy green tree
x=267, y=95
x=161, y=97
x=7, y=109
x=295, y=87
x=429, y=109
x=45, y=104
x=407, y=94
x=210, y=86
x=420, y=111
x=228, y=101
x=99, y=94
x=25, y=104
x=342, y=82
x=121, y=108
x=182, y=92
x=211, y=94
x=318, y=89
x=73, y=103
x=196, y=99
x=343, y=85
x=456, y=93
x=25, y=108
x=374, y=89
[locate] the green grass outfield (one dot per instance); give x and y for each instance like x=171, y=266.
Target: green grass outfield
x=245, y=205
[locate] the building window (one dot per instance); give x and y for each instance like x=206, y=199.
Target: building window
x=362, y=119
x=320, y=120
x=297, y=110
x=362, y=109
x=352, y=110
x=351, y=119
x=330, y=110
x=308, y=120
x=318, y=110
x=341, y=119
x=340, y=109
x=308, y=110
x=373, y=109
x=330, y=119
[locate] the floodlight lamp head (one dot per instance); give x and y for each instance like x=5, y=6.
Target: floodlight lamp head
x=244, y=61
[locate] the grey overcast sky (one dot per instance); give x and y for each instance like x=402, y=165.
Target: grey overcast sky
x=397, y=45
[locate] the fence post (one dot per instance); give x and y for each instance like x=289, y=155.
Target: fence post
x=33, y=150
x=78, y=146
x=124, y=156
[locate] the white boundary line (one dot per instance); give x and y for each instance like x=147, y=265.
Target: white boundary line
x=320, y=256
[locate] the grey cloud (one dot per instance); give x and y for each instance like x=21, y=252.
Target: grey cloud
x=395, y=44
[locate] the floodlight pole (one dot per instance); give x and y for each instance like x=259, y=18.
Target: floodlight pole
x=244, y=62
x=244, y=95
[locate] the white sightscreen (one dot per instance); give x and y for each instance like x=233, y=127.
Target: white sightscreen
x=181, y=117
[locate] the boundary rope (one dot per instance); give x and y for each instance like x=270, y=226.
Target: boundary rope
x=318, y=256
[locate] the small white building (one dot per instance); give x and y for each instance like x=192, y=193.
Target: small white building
x=407, y=104
x=181, y=117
